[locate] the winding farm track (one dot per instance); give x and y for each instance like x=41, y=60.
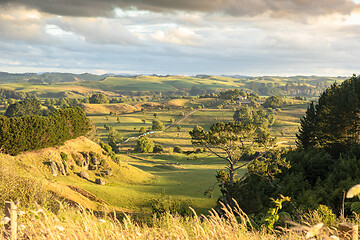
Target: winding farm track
x=166, y=127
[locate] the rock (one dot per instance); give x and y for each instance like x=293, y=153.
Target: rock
x=95, y=161
x=108, y=173
x=54, y=168
x=61, y=168
x=84, y=175
x=100, y=181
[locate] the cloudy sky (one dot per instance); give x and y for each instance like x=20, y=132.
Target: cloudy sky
x=248, y=37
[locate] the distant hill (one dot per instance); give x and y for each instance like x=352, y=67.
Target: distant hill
x=47, y=78
x=79, y=85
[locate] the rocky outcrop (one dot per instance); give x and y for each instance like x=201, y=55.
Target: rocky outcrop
x=84, y=175
x=100, y=181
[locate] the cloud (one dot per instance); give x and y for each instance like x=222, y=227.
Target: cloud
x=21, y=24
x=179, y=36
x=97, y=30
x=276, y=8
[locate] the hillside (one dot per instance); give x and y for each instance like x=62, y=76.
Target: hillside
x=56, y=85
x=71, y=186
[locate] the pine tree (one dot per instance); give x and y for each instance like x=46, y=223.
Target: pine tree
x=306, y=137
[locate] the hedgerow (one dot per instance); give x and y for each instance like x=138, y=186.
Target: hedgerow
x=19, y=134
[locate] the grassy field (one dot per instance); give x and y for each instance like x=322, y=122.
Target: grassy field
x=285, y=127
x=179, y=175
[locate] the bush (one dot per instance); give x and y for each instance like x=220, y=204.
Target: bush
x=178, y=149
x=157, y=126
x=273, y=102
x=144, y=145
x=158, y=148
x=98, y=98
x=142, y=130
x=165, y=204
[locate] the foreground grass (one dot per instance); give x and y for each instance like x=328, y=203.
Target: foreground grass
x=81, y=224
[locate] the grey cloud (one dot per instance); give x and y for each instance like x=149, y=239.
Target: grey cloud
x=277, y=8
x=98, y=30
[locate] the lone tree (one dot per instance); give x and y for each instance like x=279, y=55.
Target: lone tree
x=232, y=142
x=157, y=126
x=144, y=145
x=98, y=98
x=273, y=102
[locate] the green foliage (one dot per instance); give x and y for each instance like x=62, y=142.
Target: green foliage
x=306, y=137
x=144, y=145
x=232, y=94
x=177, y=149
x=233, y=142
x=27, y=107
x=142, y=130
x=273, y=213
x=260, y=118
x=109, y=150
x=334, y=122
x=326, y=215
x=7, y=94
x=158, y=149
x=36, y=132
x=98, y=98
x=157, y=125
x=273, y=102
x=114, y=138
x=165, y=204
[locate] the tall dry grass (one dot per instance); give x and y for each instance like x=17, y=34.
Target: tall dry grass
x=81, y=224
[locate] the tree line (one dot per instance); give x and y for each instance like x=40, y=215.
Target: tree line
x=27, y=133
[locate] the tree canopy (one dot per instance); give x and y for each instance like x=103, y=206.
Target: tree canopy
x=273, y=102
x=334, y=122
x=27, y=107
x=98, y=98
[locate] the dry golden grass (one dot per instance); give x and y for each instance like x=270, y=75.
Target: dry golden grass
x=82, y=224
x=118, y=108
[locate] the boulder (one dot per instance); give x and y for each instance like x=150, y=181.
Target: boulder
x=95, y=161
x=54, y=169
x=84, y=175
x=100, y=181
x=61, y=168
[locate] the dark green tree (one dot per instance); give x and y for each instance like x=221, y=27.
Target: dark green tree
x=98, y=98
x=27, y=107
x=307, y=132
x=157, y=126
x=144, y=145
x=273, y=102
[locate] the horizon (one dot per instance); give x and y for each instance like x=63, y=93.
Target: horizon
x=231, y=37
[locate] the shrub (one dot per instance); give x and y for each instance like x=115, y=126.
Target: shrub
x=158, y=148
x=98, y=98
x=144, y=145
x=158, y=126
x=178, y=149
x=165, y=204
x=142, y=130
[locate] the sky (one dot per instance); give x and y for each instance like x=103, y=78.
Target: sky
x=181, y=37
